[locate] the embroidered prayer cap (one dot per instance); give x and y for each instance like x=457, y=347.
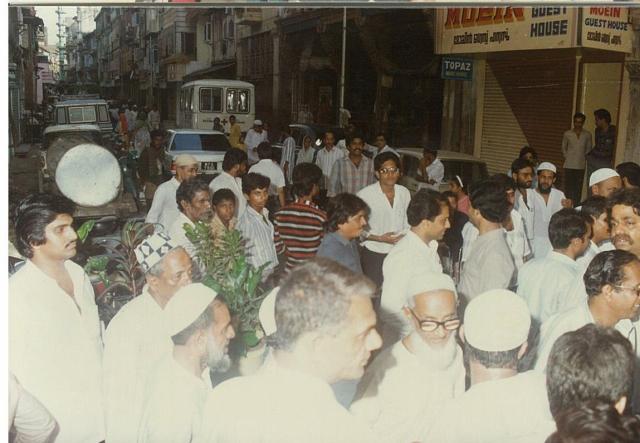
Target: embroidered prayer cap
x=497, y=320
x=546, y=166
x=601, y=175
x=427, y=282
x=267, y=312
x=153, y=249
x=185, y=160
x=186, y=305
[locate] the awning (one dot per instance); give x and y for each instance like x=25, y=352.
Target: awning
x=208, y=72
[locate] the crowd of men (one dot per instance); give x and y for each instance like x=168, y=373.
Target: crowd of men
x=531, y=337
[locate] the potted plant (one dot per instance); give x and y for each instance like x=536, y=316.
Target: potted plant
x=228, y=272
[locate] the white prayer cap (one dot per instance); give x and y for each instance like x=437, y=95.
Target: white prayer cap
x=187, y=304
x=546, y=166
x=185, y=160
x=427, y=282
x=601, y=175
x=497, y=320
x=267, y=312
x=257, y=123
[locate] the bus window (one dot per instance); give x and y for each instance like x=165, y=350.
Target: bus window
x=189, y=98
x=82, y=114
x=60, y=116
x=210, y=99
x=231, y=100
x=102, y=113
x=238, y=100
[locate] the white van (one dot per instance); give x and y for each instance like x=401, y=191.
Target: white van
x=203, y=100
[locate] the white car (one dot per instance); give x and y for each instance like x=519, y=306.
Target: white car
x=207, y=146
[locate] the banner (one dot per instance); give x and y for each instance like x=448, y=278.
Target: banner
x=607, y=28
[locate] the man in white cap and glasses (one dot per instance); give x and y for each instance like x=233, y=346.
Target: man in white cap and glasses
x=325, y=332
x=199, y=325
x=254, y=137
x=547, y=201
x=501, y=405
x=402, y=391
x=135, y=340
x=164, y=209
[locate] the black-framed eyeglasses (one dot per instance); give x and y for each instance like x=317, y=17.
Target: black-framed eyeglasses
x=636, y=289
x=431, y=325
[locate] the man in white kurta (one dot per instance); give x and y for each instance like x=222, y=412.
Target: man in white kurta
x=235, y=162
x=254, y=137
x=403, y=389
x=164, y=209
x=547, y=200
x=135, y=340
x=178, y=387
x=416, y=253
x=55, y=342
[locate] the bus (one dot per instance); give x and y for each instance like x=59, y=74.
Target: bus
x=201, y=101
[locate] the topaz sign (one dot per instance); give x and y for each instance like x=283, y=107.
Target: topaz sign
x=457, y=68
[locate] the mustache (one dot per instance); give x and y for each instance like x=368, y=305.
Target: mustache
x=74, y=243
x=621, y=237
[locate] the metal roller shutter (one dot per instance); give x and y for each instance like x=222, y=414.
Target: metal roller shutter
x=527, y=101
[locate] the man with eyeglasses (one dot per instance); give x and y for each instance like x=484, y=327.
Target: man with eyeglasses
x=612, y=282
x=501, y=405
x=402, y=392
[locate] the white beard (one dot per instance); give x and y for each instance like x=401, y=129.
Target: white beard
x=434, y=358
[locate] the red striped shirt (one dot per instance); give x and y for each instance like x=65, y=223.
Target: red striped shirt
x=299, y=228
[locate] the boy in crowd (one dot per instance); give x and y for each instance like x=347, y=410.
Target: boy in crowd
x=224, y=208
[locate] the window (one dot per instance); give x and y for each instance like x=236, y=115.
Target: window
x=238, y=100
x=189, y=98
x=210, y=99
x=102, y=113
x=81, y=114
x=207, y=32
x=200, y=142
x=61, y=118
x=188, y=43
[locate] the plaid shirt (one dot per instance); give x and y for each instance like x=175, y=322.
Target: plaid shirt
x=347, y=177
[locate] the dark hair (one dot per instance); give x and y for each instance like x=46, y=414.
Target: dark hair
x=497, y=360
x=591, y=363
x=232, y=117
x=343, y=206
x=232, y=157
x=305, y=176
x=565, y=225
x=428, y=150
x=448, y=194
x=316, y=297
x=157, y=133
x=490, y=198
x=188, y=190
x=520, y=163
x=594, y=206
x=454, y=178
x=381, y=159
x=505, y=180
x=329, y=131
x=425, y=204
x=253, y=181
x=624, y=197
x=579, y=115
x=353, y=135
x=264, y=150
x=630, y=171
x=602, y=114
x=606, y=268
x=221, y=195
x=381, y=134
x=33, y=214
x=528, y=150
x=595, y=422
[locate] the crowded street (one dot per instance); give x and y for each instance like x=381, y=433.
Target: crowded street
x=279, y=225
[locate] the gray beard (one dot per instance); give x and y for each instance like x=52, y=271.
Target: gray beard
x=437, y=359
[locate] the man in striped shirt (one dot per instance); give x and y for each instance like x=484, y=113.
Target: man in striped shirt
x=354, y=172
x=326, y=158
x=299, y=226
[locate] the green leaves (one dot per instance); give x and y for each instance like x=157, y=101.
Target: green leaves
x=84, y=230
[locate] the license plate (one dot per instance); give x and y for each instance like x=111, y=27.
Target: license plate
x=208, y=166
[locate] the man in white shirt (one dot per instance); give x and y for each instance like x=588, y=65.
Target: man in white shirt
x=199, y=325
x=544, y=282
x=164, y=209
x=325, y=332
x=595, y=208
x=612, y=282
x=55, y=343
x=194, y=198
x=402, y=391
x=490, y=264
x=414, y=254
x=154, y=118
x=267, y=167
x=546, y=202
x=388, y=202
x=380, y=145
x=502, y=405
x=234, y=166
x=576, y=143
x=326, y=158
x=135, y=340
x=254, y=137
x=288, y=160
x=522, y=173
x=431, y=169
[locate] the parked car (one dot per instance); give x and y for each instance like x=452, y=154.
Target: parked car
x=207, y=146
x=82, y=111
x=468, y=167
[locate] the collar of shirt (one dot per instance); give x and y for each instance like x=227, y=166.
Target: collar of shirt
x=174, y=181
x=255, y=214
x=492, y=235
x=75, y=272
x=339, y=238
x=414, y=239
x=557, y=256
x=184, y=219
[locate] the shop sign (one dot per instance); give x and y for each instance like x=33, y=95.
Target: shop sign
x=607, y=28
x=456, y=68
x=471, y=30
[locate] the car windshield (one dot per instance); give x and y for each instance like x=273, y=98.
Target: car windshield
x=200, y=142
